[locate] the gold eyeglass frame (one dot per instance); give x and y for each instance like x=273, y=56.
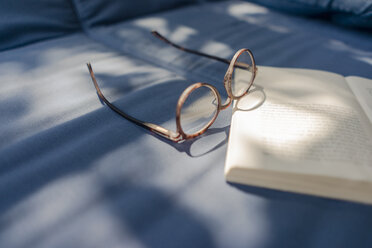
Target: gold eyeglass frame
x=180, y=135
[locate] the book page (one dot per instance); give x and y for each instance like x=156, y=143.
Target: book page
x=301, y=121
x=362, y=89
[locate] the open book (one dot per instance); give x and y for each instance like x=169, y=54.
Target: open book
x=304, y=131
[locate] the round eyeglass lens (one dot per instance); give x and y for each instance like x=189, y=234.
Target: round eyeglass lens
x=198, y=110
x=242, y=74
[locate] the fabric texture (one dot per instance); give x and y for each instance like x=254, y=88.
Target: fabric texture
x=352, y=13
x=100, y=12
x=75, y=174
x=24, y=21
x=276, y=39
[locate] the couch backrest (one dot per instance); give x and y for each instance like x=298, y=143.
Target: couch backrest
x=352, y=13
x=27, y=21
x=103, y=12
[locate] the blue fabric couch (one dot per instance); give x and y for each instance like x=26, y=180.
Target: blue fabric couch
x=75, y=174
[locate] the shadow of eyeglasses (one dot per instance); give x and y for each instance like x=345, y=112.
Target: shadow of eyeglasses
x=254, y=99
x=201, y=145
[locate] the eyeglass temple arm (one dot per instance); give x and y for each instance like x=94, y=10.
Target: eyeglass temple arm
x=149, y=126
x=226, y=61
x=161, y=37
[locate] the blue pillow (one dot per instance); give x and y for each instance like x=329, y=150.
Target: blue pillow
x=26, y=21
x=352, y=13
x=102, y=12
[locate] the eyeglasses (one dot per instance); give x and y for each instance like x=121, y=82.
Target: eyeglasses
x=200, y=103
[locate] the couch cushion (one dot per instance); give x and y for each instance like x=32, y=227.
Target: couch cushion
x=24, y=21
x=75, y=174
x=100, y=12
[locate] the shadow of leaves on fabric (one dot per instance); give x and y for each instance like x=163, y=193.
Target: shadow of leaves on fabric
x=12, y=110
x=97, y=136
x=156, y=219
